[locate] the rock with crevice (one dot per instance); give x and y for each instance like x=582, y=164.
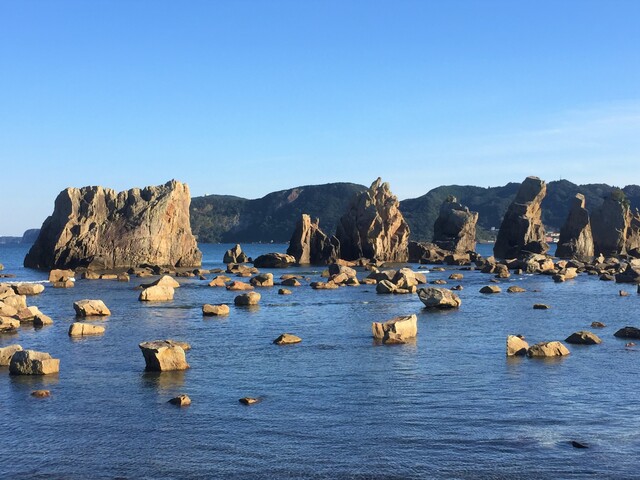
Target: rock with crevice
x=455, y=227
x=610, y=224
x=373, y=227
x=163, y=355
x=548, y=349
x=31, y=362
x=310, y=245
x=516, y=346
x=79, y=329
x=576, y=240
x=102, y=229
x=235, y=255
x=522, y=231
x=396, y=330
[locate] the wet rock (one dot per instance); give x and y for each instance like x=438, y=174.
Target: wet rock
x=607, y=278
x=61, y=275
x=576, y=240
x=516, y=346
x=101, y=229
x=287, y=339
x=442, y=298
x=262, y=280
x=180, y=401
x=163, y=355
x=30, y=362
x=42, y=320
x=219, y=281
x=439, y=282
x=628, y=332
x=245, y=299
x=323, y=285
x=90, y=308
x=457, y=287
x=522, y=230
x=290, y=282
x=79, y=329
x=7, y=352
x=490, y=289
x=623, y=293
x=374, y=227
x=575, y=444
x=274, y=260
x=8, y=324
x=235, y=255
x=548, y=349
x=310, y=245
x=456, y=276
x=215, y=310
x=597, y=325
x=396, y=330
x=583, y=337
x=157, y=293
x=249, y=400
x=405, y=278
x=455, y=227
x=515, y=289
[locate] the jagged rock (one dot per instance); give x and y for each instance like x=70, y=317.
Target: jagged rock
x=423, y=252
x=609, y=225
x=157, y=293
x=219, y=281
x=310, y=245
x=583, y=338
x=28, y=288
x=262, y=280
x=287, y=339
x=630, y=274
x=515, y=289
x=180, y=401
x=235, y=255
x=522, y=230
x=434, y=297
x=516, y=346
x=215, y=310
x=455, y=227
x=633, y=234
x=490, y=289
x=548, y=349
x=6, y=291
x=386, y=286
x=396, y=330
x=101, y=229
x=576, y=240
x=7, y=352
x=245, y=299
x=88, y=308
x=41, y=320
x=163, y=355
x=628, y=332
x=274, y=260
x=30, y=362
x=405, y=278
x=78, y=329
x=374, y=227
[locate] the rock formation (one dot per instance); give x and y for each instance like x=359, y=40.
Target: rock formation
x=455, y=227
x=548, y=349
x=521, y=230
x=310, y=245
x=609, y=225
x=89, y=308
x=434, y=297
x=274, y=260
x=235, y=255
x=576, y=240
x=98, y=228
x=516, y=346
x=396, y=330
x=374, y=227
x=164, y=355
x=633, y=234
x=30, y=362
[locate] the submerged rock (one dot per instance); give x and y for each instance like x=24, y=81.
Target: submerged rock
x=180, y=401
x=287, y=339
x=434, y=297
x=98, y=228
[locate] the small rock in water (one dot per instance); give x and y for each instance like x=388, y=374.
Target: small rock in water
x=249, y=400
x=597, y=325
x=623, y=293
x=287, y=339
x=515, y=289
x=457, y=287
x=490, y=289
x=41, y=393
x=215, y=310
x=284, y=291
x=578, y=444
x=541, y=306
x=630, y=344
x=180, y=401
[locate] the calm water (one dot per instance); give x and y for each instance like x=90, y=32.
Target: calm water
x=335, y=406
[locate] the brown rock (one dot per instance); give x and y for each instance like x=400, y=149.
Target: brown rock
x=180, y=401
x=456, y=276
x=219, y=281
x=287, y=339
x=274, y=260
x=310, y=245
x=164, y=281
x=597, y=325
x=262, y=280
x=385, y=287
x=249, y=401
x=16, y=301
x=41, y=393
x=7, y=352
x=583, y=338
x=284, y=291
x=610, y=224
x=576, y=240
x=442, y=298
x=455, y=227
x=290, y=282
x=163, y=355
x=245, y=299
x=396, y=330
x=79, y=329
x=215, y=310
x=323, y=285
x=30, y=362
x=490, y=289
x=235, y=255
x=515, y=289
x=60, y=275
x=157, y=293
x=89, y=308
x=516, y=346
x=548, y=349
x=239, y=286
x=28, y=288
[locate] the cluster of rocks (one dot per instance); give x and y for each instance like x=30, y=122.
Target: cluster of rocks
x=14, y=311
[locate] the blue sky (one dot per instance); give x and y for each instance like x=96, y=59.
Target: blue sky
x=247, y=97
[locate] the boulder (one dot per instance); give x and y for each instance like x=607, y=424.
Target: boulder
x=541, y=306
x=180, y=401
x=163, y=355
x=628, y=332
x=456, y=276
x=89, y=308
x=61, y=275
x=274, y=260
x=515, y=289
x=490, y=289
x=7, y=310
x=385, y=286
x=610, y=224
x=30, y=362
x=630, y=274
x=78, y=329
x=323, y=285
x=597, y=325
x=123, y=277
x=239, y=286
x=424, y=252
x=41, y=320
x=41, y=393
x=6, y=291
x=157, y=293
x=7, y=352
x=373, y=227
x=249, y=400
x=219, y=281
x=583, y=338
x=64, y=284
x=522, y=230
x=287, y=339
x=16, y=301
x=8, y=324
x=215, y=310
x=548, y=349
x=516, y=346
x=442, y=298
x=455, y=227
x=235, y=255
x=245, y=299
x=576, y=240
x=28, y=288
x=405, y=278
x=102, y=229
x=284, y=291
x=290, y=282
x=164, y=281
x=396, y=330
x=262, y=280
x=310, y=245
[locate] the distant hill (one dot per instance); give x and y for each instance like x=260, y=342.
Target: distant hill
x=220, y=218
x=27, y=238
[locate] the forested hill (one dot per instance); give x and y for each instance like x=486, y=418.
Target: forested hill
x=218, y=218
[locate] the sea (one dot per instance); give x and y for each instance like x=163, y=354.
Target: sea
x=450, y=405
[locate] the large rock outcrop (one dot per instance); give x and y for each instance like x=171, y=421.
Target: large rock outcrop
x=310, y=245
x=610, y=224
x=522, y=230
x=576, y=240
x=633, y=234
x=374, y=227
x=100, y=228
x=455, y=227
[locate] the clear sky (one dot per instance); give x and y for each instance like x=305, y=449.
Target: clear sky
x=247, y=97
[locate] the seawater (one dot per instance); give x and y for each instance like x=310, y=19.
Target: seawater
x=449, y=406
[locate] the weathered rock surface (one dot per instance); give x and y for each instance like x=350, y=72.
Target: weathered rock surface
x=79, y=329
x=516, y=346
x=425, y=252
x=548, y=349
x=8, y=324
x=583, y=337
x=630, y=274
x=522, y=230
x=164, y=281
x=157, y=293
x=455, y=227
x=235, y=255
x=16, y=301
x=215, y=310
x=274, y=260
x=490, y=289
x=99, y=228
x=28, y=288
x=609, y=225
x=163, y=355
x=396, y=330
x=374, y=227
x=180, y=401
x=310, y=245
x=7, y=352
x=58, y=275
x=515, y=289
x=262, y=280
x=434, y=297
x=30, y=362
x=89, y=308
x=239, y=286
x=287, y=339
x=628, y=332
x=7, y=310
x=633, y=234
x=245, y=299
x=576, y=240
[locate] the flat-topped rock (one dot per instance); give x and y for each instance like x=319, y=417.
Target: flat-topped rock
x=488, y=289
x=30, y=362
x=287, y=339
x=215, y=310
x=239, y=286
x=90, y=308
x=274, y=260
x=163, y=355
x=79, y=329
x=28, y=288
x=548, y=349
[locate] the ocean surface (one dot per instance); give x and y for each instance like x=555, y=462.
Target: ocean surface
x=449, y=406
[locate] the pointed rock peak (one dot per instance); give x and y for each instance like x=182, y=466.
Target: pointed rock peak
x=530, y=189
x=578, y=201
x=377, y=183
